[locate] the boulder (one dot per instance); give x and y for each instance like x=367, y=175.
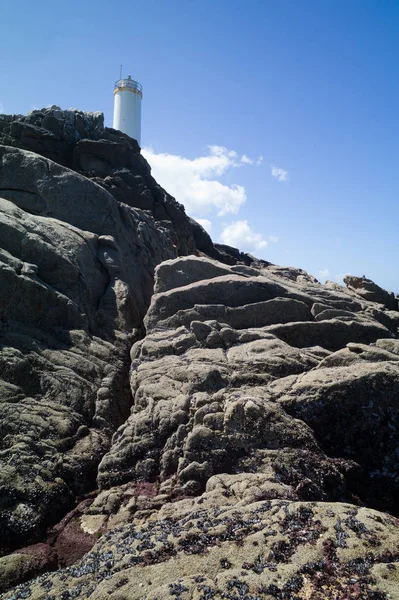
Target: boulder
x=230, y=290
x=179, y=272
x=332, y=334
x=371, y=291
x=102, y=157
x=353, y=411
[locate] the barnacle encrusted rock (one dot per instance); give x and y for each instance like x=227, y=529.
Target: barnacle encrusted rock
x=218, y=547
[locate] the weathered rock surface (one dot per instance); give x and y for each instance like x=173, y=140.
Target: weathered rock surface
x=371, y=291
x=209, y=380
x=76, y=279
x=229, y=432
x=111, y=159
x=218, y=547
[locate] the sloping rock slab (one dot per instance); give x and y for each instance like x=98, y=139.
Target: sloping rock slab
x=274, y=549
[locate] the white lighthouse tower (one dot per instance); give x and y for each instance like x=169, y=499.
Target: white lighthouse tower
x=128, y=95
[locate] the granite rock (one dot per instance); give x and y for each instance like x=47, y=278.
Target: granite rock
x=371, y=291
x=76, y=279
x=216, y=547
x=179, y=418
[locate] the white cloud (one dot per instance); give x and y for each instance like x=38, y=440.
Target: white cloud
x=324, y=272
x=240, y=235
x=205, y=223
x=279, y=173
x=273, y=238
x=194, y=181
x=259, y=161
x=1, y=108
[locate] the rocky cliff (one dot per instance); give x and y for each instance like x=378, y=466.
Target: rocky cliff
x=179, y=419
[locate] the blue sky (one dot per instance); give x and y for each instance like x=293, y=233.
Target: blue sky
x=309, y=85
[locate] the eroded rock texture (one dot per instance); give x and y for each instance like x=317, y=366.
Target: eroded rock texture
x=240, y=373
x=111, y=159
x=222, y=548
x=75, y=282
x=232, y=432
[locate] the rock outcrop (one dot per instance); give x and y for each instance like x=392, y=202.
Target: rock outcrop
x=111, y=159
x=216, y=386
x=371, y=291
x=229, y=429
x=76, y=278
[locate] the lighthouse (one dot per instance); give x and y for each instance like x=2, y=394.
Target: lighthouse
x=128, y=95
